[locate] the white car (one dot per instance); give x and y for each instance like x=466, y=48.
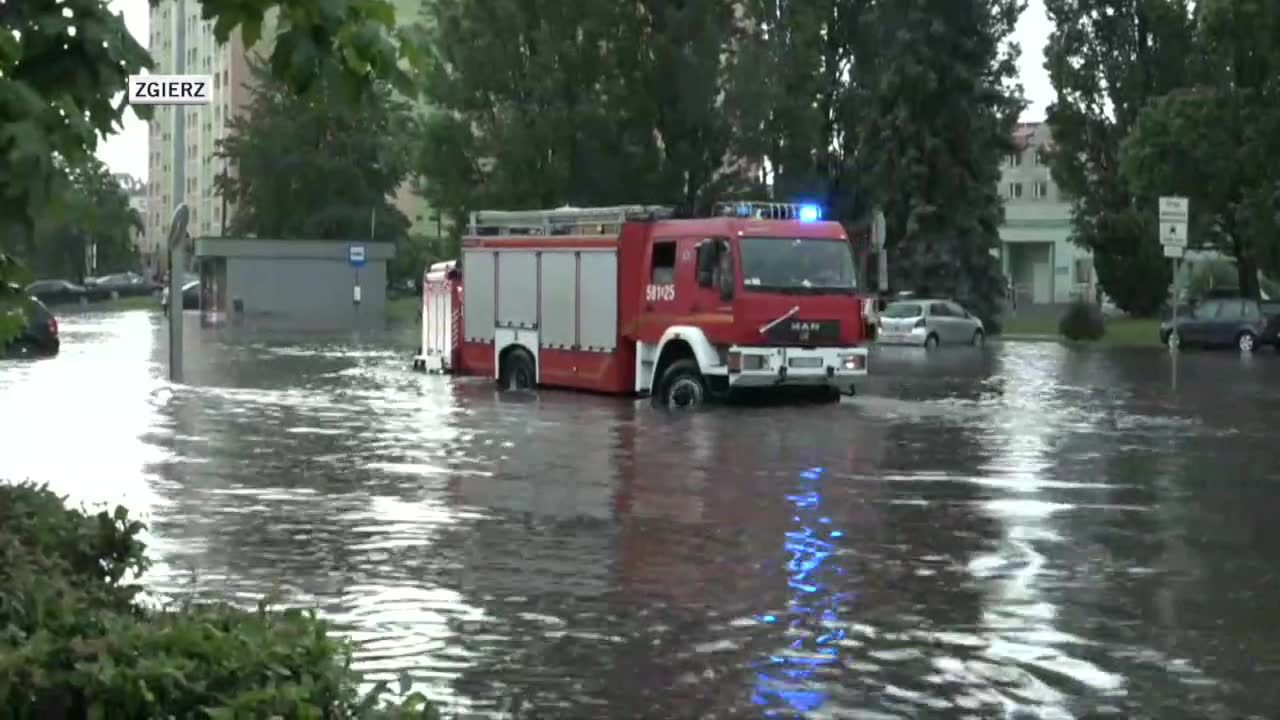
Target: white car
x=929, y=323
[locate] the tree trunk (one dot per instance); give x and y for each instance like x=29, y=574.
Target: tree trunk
x=1247, y=272
x=1246, y=265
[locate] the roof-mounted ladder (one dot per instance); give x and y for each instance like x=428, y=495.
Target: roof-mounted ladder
x=563, y=221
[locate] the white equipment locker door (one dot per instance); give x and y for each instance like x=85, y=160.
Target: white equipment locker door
x=437, y=318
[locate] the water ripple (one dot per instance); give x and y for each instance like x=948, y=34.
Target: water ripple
x=1030, y=531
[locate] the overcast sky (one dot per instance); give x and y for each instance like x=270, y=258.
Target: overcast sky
x=126, y=151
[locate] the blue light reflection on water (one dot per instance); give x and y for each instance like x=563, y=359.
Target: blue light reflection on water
x=785, y=681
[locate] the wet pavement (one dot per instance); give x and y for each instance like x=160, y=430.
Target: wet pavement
x=1021, y=531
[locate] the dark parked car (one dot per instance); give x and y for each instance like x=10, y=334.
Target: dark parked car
x=40, y=336
x=56, y=291
x=126, y=284
x=1217, y=322
x=190, y=296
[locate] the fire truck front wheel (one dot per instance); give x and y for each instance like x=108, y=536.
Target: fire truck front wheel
x=517, y=371
x=682, y=387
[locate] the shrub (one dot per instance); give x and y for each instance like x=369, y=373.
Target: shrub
x=1083, y=320
x=75, y=644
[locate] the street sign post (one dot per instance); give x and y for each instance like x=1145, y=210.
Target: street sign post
x=878, y=231
x=1174, y=214
x=357, y=255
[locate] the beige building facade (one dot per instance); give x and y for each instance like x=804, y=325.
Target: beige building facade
x=183, y=43
x=1037, y=255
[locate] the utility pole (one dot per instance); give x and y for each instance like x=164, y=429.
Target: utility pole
x=179, y=111
x=178, y=228
x=878, y=231
x=177, y=261
x=223, y=231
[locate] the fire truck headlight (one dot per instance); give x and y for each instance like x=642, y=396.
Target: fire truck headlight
x=853, y=362
x=810, y=213
x=752, y=362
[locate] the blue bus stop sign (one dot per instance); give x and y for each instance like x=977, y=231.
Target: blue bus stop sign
x=356, y=255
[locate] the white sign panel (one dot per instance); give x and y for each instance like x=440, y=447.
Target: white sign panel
x=878, y=231
x=1174, y=210
x=170, y=89
x=1173, y=234
x=356, y=255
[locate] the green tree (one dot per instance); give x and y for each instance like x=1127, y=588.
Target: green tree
x=12, y=308
x=1106, y=60
x=1216, y=142
x=794, y=103
x=61, y=68
x=906, y=105
x=64, y=67
x=89, y=208
x=941, y=118
x=575, y=102
x=323, y=164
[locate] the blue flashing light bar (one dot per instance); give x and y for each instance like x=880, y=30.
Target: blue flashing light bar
x=803, y=212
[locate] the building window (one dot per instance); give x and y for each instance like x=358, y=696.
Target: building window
x=1015, y=160
x=1015, y=190
x=1040, y=190
x=1040, y=158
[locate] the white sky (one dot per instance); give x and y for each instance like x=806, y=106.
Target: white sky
x=126, y=151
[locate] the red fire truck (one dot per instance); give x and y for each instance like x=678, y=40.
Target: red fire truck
x=629, y=300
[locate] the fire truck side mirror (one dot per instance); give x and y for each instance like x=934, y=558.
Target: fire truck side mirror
x=707, y=260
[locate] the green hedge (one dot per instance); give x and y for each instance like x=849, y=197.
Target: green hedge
x=1083, y=320
x=74, y=643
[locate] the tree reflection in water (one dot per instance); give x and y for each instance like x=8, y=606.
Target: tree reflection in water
x=792, y=680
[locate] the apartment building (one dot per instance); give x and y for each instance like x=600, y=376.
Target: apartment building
x=1037, y=254
x=183, y=43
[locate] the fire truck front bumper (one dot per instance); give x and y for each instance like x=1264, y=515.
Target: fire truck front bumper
x=763, y=367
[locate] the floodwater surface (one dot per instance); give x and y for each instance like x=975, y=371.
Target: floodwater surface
x=1022, y=531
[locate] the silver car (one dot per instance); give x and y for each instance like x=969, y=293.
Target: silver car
x=930, y=323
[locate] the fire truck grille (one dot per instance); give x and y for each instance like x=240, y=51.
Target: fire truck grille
x=805, y=333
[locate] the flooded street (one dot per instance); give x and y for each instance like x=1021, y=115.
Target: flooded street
x=1025, y=531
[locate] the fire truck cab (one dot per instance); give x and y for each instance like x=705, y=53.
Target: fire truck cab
x=629, y=300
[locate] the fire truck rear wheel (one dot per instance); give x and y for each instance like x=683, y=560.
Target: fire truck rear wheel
x=518, y=371
x=682, y=386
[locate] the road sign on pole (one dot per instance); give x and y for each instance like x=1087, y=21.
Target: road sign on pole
x=1174, y=214
x=1174, y=209
x=357, y=255
x=878, y=232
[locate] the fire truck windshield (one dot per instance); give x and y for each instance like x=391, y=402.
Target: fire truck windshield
x=797, y=265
